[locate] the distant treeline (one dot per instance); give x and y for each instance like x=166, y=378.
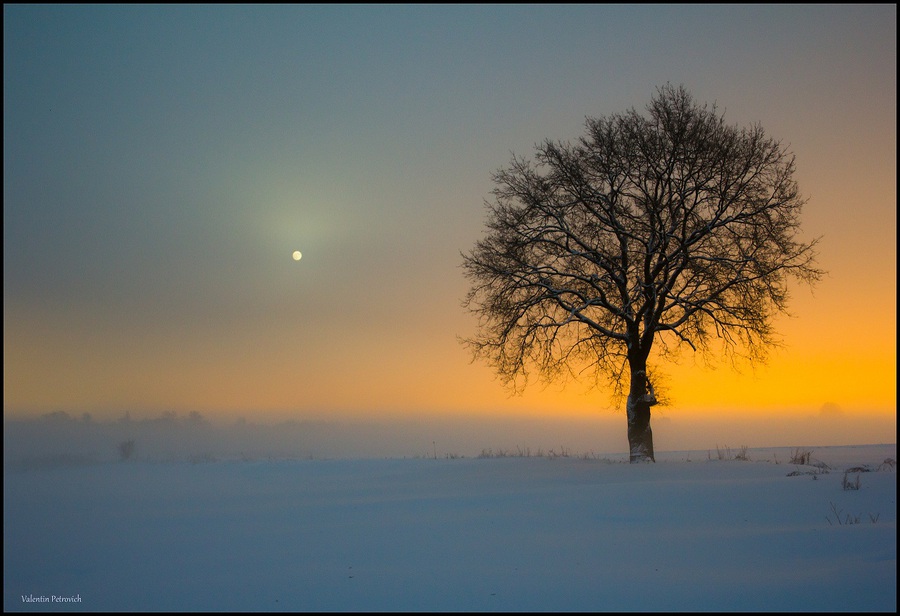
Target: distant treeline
x=60, y=438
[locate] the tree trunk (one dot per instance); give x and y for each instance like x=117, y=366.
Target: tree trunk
x=640, y=436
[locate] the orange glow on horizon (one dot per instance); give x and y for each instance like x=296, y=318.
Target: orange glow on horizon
x=422, y=370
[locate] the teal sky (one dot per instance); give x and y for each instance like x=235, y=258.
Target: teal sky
x=161, y=164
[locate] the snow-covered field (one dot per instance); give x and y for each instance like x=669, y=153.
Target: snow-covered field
x=510, y=533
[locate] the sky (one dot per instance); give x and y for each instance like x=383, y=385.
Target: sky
x=162, y=164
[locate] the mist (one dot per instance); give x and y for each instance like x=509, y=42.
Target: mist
x=64, y=439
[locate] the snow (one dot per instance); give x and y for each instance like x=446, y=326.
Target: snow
x=689, y=533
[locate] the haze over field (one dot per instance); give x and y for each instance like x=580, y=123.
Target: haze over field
x=61, y=439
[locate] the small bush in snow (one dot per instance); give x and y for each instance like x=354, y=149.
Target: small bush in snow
x=814, y=473
x=846, y=520
x=850, y=485
x=887, y=465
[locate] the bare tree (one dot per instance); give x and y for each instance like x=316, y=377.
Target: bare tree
x=658, y=232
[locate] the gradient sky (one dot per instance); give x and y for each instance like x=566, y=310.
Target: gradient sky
x=162, y=163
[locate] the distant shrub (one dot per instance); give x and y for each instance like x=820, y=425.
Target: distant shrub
x=725, y=453
x=126, y=449
x=527, y=452
x=799, y=456
x=490, y=453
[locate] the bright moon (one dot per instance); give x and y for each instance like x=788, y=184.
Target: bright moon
x=297, y=255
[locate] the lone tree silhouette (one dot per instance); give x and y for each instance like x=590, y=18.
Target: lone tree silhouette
x=655, y=232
